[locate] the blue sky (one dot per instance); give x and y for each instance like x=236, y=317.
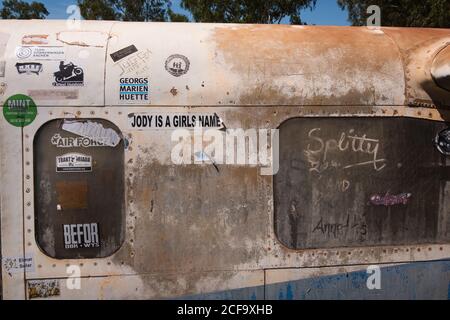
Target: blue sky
x=326, y=12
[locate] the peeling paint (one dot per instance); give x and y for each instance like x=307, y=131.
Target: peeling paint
x=83, y=38
x=43, y=288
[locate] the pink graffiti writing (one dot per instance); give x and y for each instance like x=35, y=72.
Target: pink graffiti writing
x=390, y=200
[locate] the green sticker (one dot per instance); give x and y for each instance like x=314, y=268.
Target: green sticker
x=19, y=110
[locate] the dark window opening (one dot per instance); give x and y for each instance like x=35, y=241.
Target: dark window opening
x=79, y=190
x=361, y=182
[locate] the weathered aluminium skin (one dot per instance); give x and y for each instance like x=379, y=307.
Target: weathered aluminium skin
x=191, y=230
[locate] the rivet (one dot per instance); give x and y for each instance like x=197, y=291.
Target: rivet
x=78, y=113
x=92, y=112
x=27, y=190
x=28, y=204
x=95, y=263
x=54, y=265
x=27, y=177
x=81, y=264
x=28, y=217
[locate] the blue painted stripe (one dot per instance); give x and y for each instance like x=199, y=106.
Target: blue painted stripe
x=129, y=92
x=134, y=84
x=411, y=281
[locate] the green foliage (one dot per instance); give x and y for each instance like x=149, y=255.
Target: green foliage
x=129, y=10
x=16, y=9
x=401, y=13
x=247, y=11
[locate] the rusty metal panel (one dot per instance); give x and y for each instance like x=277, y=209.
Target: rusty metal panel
x=79, y=187
x=418, y=48
x=226, y=64
x=360, y=182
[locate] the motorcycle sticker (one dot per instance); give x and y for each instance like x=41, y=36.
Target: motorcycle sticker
x=68, y=75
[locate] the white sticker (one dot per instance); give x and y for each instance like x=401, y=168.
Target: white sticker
x=74, y=162
x=81, y=235
x=145, y=121
x=18, y=264
x=94, y=131
x=40, y=53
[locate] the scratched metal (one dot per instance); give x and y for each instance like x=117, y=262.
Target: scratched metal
x=360, y=182
x=78, y=197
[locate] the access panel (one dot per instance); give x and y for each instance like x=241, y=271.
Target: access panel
x=79, y=188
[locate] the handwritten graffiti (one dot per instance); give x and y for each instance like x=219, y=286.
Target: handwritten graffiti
x=137, y=63
x=341, y=229
x=322, y=154
x=390, y=200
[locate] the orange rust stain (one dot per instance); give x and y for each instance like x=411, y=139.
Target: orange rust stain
x=293, y=65
x=353, y=47
x=408, y=38
x=174, y=91
x=72, y=194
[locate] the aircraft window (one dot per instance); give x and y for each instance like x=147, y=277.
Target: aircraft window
x=79, y=188
x=361, y=182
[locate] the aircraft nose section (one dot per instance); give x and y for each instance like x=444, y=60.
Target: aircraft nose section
x=440, y=68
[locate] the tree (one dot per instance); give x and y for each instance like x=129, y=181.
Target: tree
x=129, y=10
x=16, y=9
x=401, y=13
x=247, y=11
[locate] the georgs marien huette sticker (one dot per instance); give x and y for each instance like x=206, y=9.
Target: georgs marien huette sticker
x=19, y=110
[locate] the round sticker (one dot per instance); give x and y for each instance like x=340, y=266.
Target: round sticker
x=19, y=110
x=177, y=65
